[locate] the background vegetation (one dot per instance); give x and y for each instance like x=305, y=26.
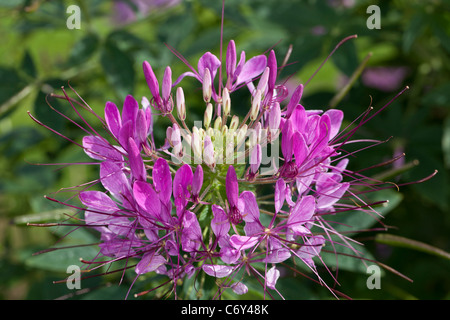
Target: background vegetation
x=102, y=61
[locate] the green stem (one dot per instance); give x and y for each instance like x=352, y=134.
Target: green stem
x=343, y=92
x=411, y=244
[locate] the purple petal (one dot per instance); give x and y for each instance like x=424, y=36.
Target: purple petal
x=181, y=185
x=272, y=64
x=299, y=118
x=98, y=201
x=271, y=277
x=136, y=162
x=232, y=186
x=217, y=271
x=295, y=99
x=149, y=262
x=130, y=109
x=210, y=61
x=191, y=236
x=327, y=180
x=219, y=224
x=118, y=247
x=113, y=178
x=231, y=62
x=286, y=140
x=275, y=117
x=280, y=194
x=301, y=213
x=278, y=255
x=251, y=69
x=113, y=118
x=126, y=132
x=300, y=148
x=332, y=195
x=255, y=158
x=336, y=117
x=99, y=149
x=229, y=255
x=187, y=74
x=251, y=210
x=147, y=198
x=197, y=180
x=311, y=248
x=239, y=288
x=162, y=180
x=323, y=137
x=121, y=226
x=141, y=127
x=341, y=166
x=243, y=242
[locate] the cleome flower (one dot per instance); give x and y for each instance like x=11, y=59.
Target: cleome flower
x=210, y=201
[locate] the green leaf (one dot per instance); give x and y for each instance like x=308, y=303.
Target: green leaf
x=346, y=58
x=75, y=243
x=413, y=31
x=118, y=68
x=42, y=103
x=11, y=88
x=28, y=65
x=83, y=49
x=60, y=259
x=355, y=259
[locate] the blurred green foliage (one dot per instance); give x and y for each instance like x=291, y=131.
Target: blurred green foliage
x=102, y=61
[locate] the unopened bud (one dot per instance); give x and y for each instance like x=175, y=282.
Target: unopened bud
x=255, y=158
x=241, y=133
x=196, y=144
x=262, y=84
x=208, y=115
x=218, y=123
x=207, y=86
x=226, y=102
x=208, y=155
x=256, y=105
x=234, y=123
x=166, y=84
x=181, y=104
x=224, y=130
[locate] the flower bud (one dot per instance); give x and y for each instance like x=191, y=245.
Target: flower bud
x=256, y=105
x=208, y=115
x=234, y=124
x=240, y=134
x=226, y=102
x=218, y=123
x=196, y=144
x=208, y=155
x=166, y=84
x=207, y=86
x=181, y=104
x=262, y=84
x=152, y=83
x=255, y=158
